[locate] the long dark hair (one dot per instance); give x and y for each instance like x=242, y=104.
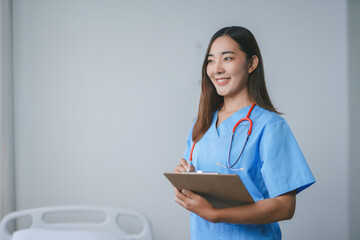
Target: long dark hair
x=210, y=100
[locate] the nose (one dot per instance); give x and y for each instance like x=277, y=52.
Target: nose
x=218, y=68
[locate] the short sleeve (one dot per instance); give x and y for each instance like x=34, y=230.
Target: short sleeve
x=284, y=167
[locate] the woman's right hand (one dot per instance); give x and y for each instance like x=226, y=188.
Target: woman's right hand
x=183, y=166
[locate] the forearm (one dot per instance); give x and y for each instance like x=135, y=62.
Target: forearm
x=262, y=212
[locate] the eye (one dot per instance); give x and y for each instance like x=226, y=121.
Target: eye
x=227, y=59
x=209, y=61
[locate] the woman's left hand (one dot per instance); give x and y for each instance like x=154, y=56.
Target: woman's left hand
x=196, y=204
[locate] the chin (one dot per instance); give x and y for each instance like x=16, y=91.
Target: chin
x=222, y=93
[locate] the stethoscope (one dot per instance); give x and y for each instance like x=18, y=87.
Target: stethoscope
x=247, y=118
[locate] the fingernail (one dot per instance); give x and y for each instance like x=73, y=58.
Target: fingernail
x=184, y=191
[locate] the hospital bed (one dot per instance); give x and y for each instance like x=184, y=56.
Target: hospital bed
x=41, y=228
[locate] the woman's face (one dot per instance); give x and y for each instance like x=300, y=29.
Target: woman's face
x=227, y=67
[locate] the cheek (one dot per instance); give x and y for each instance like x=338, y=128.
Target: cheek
x=208, y=71
x=239, y=71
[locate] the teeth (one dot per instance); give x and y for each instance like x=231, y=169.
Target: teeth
x=222, y=80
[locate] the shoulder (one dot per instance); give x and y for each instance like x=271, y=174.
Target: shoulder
x=265, y=117
x=272, y=127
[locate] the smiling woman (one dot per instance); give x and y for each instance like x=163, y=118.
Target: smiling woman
x=228, y=68
x=262, y=150
x=231, y=42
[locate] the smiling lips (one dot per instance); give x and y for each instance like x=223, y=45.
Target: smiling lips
x=222, y=81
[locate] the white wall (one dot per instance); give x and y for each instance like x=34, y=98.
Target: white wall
x=105, y=92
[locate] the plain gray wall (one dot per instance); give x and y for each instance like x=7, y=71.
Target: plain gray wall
x=354, y=113
x=105, y=93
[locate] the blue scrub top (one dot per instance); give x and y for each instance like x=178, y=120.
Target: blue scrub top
x=272, y=164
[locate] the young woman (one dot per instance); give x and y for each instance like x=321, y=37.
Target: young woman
x=267, y=158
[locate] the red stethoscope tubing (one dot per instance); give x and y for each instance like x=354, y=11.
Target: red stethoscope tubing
x=247, y=118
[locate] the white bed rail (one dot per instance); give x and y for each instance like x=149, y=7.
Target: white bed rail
x=109, y=225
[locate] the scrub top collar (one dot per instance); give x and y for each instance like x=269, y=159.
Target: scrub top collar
x=229, y=123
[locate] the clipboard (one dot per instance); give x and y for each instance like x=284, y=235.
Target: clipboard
x=221, y=190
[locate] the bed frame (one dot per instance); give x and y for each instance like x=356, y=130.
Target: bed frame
x=109, y=225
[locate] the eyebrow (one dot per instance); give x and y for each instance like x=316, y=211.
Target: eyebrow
x=223, y=53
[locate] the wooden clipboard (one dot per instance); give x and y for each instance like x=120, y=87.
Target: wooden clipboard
x=221, y=190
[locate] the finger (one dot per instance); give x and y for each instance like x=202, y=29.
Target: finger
x=180, y=198
x=179, y=195
x=184, y=163
x=190, y=194
x=181, y=203
x=182, y=166
x=184, y=201
x=176, y=191
x=179, y=168
x=187, y=193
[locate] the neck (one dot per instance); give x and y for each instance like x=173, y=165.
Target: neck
x=233, y=104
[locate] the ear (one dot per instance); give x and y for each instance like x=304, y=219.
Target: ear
x=253, y=63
